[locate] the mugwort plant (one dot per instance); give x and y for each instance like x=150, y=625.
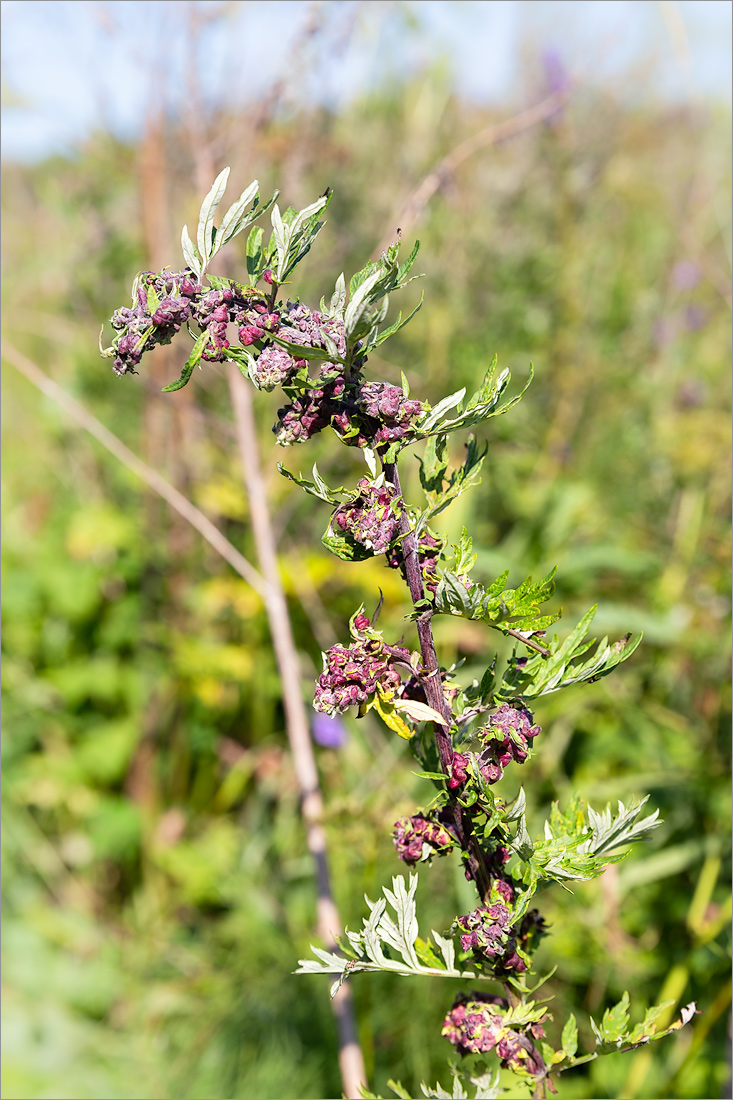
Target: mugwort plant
x=464, y=737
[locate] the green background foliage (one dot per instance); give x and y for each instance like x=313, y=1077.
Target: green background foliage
x=157, y=890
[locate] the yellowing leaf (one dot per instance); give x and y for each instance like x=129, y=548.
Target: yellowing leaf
x=388, y=713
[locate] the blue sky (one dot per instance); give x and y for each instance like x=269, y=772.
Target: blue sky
x=70, y=66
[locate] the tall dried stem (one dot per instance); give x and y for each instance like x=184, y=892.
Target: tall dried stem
x=350, y=1056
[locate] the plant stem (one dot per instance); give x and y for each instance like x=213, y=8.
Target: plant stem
x=433, y=687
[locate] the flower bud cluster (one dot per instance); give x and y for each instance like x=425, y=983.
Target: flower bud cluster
x=274, y=365
x=475, y=1025
x=488, y=931
x=390, y=408
x=506, y=738
x=418, y=838
x=373, y=519
x=351, y=674
x=162, y=304
x=361, y=413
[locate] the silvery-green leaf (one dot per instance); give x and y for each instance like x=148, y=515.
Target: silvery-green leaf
x=331, y=346
x=237, y=215
x=302, y=351
x=429, y=419
x=308, y=212
x=189, y=253
x=281, y=234
x=338, y=298
x=378, y=338
x=206, y=215
x=370, y=458
x=418, y=712
x=358, y=303
x=405, y=384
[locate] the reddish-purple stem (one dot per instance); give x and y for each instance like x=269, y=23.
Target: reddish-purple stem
x=433, y=686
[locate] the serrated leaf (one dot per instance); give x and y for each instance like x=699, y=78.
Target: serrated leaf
x=317, y=487
x=615, y=1020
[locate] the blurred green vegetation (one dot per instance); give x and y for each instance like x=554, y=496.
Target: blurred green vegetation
x=157, y=890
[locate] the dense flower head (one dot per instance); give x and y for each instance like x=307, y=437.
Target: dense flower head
x=506, y=738
x=388, y=405
x=488, y=930
x=302, y=418
x=351, y=674
x=418, y=838
x=373, y=519
x=162, y=303
x=309, y=328
x=476, y=1025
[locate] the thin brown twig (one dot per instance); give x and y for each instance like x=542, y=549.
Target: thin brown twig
x=527, y=641
x=412, y=209
x=151, y=477
x=298, y=730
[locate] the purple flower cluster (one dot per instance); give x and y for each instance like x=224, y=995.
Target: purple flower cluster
x=163, y=303
x=506, y=738
x=488, y=931
x=388, y=405
x=475, y=1025
x=351, y=674
x=361, y=413
x=275, y=366
x=417, y=838
x=458, y=770
x=373, y=519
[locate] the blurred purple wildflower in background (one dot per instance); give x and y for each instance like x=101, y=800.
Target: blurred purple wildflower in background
x=685, y=275
x=329, y=733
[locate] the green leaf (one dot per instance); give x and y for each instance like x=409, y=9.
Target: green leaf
x=193, y=359
x=481, y=405
x=615, y=1020
x=569, y=1038
x=255, y=258
x=318, y=487
x=344, y=547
